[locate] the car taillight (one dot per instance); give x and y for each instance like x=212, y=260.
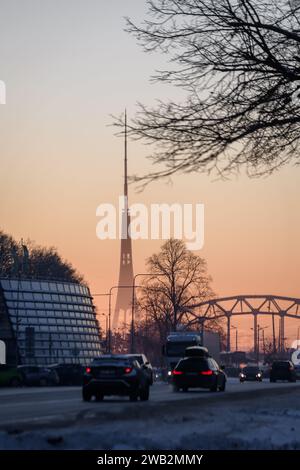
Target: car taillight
x=127, y=370
x=177, y=372
x=206, y=372
x=88, y=370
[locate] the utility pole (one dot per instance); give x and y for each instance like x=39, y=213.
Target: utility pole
x=263, y=339
x=236, y=336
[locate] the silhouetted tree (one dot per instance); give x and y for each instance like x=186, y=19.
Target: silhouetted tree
x=42, y=263
x=239, y=62
x=179, y=280
x=9, y=254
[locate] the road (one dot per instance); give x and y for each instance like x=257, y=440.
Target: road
x=31, y=408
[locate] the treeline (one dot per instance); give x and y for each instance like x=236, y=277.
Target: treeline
x=29, y=260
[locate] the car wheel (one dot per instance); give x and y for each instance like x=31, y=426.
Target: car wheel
x=43, y=382
x=223, y=387
x=272, y=380
x=15, y=382
x=214, y=388
x=99, y=397
x=86, y=396
x=133, y=396
x=185, y=389
x=175, y=389
x=144, y=395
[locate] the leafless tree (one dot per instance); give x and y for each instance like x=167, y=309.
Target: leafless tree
x=239, y=63
x=180, y=279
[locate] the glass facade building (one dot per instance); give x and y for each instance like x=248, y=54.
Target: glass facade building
x=46, y=322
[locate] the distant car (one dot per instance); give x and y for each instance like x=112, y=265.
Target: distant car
x=115, y=375
x=283, y=370
x=251, y=373
x=145, y=364
x=69, y=374
x=10, y=376
x=198, y=372
x=37, y=375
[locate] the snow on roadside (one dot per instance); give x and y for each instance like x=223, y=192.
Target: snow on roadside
x=217, y=428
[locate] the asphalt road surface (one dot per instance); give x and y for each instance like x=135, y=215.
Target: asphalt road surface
x=31, y=408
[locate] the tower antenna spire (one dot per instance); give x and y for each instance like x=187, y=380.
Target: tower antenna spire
x=125, y=158
x=124, y=296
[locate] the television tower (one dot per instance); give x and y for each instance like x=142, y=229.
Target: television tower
x=124, y=295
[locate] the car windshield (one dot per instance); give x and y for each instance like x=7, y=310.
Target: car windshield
x=113, y=361
x=192, y=365
x=250, y=370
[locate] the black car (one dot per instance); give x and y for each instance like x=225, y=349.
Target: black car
x=283, y=370
x=115, y=375
x=145, y=364
x=251, y=373
x=69, y=374
x=36, y=375
x=198, y=372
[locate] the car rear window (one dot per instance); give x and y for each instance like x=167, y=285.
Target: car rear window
x=281, y=365
x=139, y=359
x=113, y=362
x=193, y=365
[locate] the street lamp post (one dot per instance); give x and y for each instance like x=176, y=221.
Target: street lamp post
x=109, y=312
x=103, y=295
x=109, y=294
x=106, y=329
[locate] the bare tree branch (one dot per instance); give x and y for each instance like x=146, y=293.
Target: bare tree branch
x=239, y=62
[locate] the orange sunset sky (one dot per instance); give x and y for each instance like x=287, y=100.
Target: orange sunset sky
x=68, y=65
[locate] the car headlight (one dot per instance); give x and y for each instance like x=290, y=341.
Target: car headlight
x=169, y=373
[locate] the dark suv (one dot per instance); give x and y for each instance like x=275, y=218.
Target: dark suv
x=145, y=364
x=115, y=375
x=198, y=372
x=283, y=370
